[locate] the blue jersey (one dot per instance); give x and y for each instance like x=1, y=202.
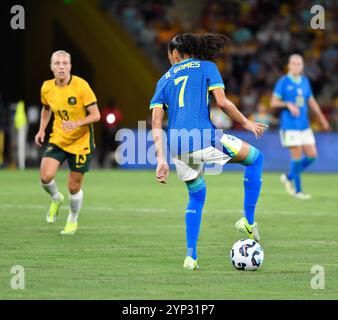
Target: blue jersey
x=184, y=92
x=298, y=93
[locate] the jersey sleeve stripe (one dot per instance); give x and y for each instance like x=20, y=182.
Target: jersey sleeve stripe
x=156, y=105
x=215, y=86
x=277, y=95
x=91, y=104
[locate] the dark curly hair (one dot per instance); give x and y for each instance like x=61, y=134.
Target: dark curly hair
x=204, y=46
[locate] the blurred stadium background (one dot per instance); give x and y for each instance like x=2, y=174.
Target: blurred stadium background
x=120, y=47
x=130, y=244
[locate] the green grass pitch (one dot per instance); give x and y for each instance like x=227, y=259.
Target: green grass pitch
x=131, y=239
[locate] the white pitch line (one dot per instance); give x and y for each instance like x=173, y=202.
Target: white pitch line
x=159, y=210
x=37, y=206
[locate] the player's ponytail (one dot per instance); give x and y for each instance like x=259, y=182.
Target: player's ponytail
x=210, y=46
x=204, y=47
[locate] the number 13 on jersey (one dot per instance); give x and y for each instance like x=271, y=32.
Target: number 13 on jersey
x=181, y=95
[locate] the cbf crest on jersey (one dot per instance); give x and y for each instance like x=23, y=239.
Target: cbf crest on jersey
x=72, y=101
x=299, y=91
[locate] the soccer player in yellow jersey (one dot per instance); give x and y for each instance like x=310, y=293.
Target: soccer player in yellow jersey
x=75, y=109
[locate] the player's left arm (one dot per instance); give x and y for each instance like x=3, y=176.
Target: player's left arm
x=232, y=111
x=318, y=112
x=92, y=116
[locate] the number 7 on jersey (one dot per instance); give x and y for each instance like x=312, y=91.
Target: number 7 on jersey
x=181, y=95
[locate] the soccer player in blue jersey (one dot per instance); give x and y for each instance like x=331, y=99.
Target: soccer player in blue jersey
x=293, y=95
x=184, y=91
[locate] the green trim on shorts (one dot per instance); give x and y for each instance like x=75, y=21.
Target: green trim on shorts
x=76, y=162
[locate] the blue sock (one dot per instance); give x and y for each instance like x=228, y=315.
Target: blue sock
x=252, y=182
x=296, y=169
x=306, y=161
x=193, y=214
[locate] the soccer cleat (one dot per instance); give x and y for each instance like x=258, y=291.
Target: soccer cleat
x=287, y=184
x=251, y=230
x=54, y=209
x=190, y=264
x=302, y=196
x=70, y=228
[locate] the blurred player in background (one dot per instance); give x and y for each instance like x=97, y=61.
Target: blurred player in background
x=262, y=115
x=293, y=94
x=74, y=106
x=184, y=92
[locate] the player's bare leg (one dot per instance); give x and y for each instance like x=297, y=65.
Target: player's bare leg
x=310, y=150
x=242, y=154
x=75, y=201
x=295, y=152
x=48, y=170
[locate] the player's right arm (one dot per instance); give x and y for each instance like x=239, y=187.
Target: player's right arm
x=46, y=114
x=231, y=110
x=277, y=102
x=162, y=170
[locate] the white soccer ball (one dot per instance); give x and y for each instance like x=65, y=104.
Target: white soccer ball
x=246, y=254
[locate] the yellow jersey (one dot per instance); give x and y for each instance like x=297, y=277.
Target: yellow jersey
x=69, y=103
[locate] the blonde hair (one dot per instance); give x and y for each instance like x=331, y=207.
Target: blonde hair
x=61, y=52
x=295, y=55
